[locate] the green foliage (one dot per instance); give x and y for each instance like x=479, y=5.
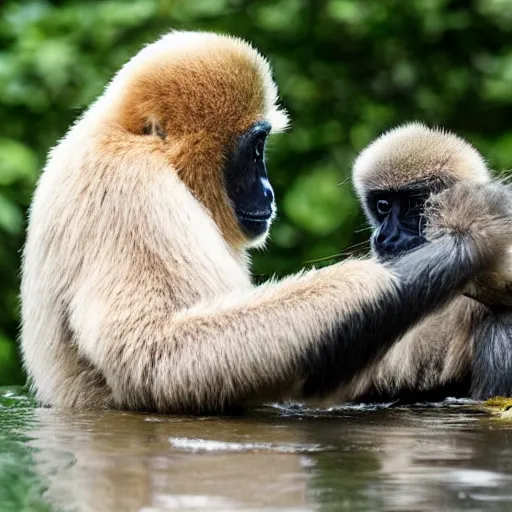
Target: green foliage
x=347, y=71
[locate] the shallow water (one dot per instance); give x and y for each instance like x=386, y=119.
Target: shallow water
x=443, y=457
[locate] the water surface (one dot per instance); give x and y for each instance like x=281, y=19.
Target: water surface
x=444, y=457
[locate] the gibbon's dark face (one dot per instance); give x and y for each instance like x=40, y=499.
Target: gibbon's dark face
x=400, y=218
x=247, y=183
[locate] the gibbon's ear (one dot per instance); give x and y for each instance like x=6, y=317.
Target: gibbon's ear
x=153, y=127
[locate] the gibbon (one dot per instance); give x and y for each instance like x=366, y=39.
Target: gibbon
x=136, y=291
x=465, y=349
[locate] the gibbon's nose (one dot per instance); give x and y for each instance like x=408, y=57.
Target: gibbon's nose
x=268, y=192
x=380, y=239
x=388, y=240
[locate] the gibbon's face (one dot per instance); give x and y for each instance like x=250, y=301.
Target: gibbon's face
x=247, y=183
x=396, y=174
x=399, y=216
x=207, y=103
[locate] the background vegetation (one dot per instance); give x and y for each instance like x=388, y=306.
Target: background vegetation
x=347, y=70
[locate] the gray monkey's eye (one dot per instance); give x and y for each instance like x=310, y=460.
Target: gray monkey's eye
x=259, y=149
x=383, y=206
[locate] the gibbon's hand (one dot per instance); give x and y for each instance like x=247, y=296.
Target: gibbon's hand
x=482, y=210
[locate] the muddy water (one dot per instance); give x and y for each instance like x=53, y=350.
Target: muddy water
x=443, y=457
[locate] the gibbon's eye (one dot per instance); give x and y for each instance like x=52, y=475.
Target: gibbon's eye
x=259, y=149
x=383, y=206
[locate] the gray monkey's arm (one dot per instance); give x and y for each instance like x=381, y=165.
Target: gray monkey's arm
x=494, y=286
x=492, y=338
x=491, y=290
x=491, y=325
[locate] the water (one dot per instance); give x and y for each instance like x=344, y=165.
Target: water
x=450, y=456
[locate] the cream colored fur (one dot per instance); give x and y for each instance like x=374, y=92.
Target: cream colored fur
x=135, y=294
x=136, y=290
x=432, y=354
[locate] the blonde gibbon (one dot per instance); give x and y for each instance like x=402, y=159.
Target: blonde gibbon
x=465, y=349
x=136, y=291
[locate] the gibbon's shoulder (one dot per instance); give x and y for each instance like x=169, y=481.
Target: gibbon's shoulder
x=415, y=152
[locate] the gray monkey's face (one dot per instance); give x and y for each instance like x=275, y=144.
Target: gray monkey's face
x=247, y=184
x=398, y=216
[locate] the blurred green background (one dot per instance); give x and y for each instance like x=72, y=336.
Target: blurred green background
x=347, y=71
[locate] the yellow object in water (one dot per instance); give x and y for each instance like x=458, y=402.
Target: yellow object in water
x=500, y=406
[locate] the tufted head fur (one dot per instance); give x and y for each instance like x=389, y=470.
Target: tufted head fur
x=415, y=153
x=190, y=95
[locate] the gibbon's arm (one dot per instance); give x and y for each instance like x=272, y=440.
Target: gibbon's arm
x=493, y=287
x=490, y=324
x=309, y=333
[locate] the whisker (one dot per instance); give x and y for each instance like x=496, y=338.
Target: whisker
x=358, y=244
x=325, y=258
x=350, y=251
x=344, y=182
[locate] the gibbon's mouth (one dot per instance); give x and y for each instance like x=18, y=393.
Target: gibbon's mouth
x=254, y=224
x=255, y=216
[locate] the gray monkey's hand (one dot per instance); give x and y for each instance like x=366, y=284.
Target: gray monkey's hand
x=482, y=211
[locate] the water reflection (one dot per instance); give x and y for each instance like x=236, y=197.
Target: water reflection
x=127, y=462
x=356, y=459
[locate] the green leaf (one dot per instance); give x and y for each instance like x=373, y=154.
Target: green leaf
x=17, y=162
x=11, y=218
x=318, y=203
